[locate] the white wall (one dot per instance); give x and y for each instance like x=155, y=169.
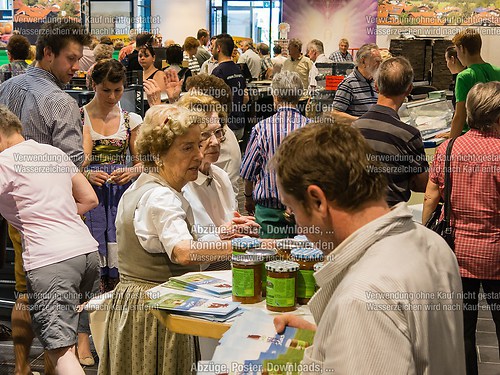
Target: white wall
x=489, y=35
x=178, y=19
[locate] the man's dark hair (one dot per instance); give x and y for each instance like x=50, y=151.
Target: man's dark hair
x=143, y=39
x=19, y=47
x=263, y=49
x=57, y=34
x=226, y=43
x=173, y=54
x=201, y=33
x=277, y=49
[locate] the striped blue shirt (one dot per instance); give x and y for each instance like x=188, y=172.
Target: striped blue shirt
x=266, y=136
x=355, y=94
x=47, y=113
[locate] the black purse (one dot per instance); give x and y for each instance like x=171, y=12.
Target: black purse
x=443, y=227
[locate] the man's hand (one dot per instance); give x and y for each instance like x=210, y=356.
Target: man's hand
x=153, y=92
x=281, y=321
x=172, y=84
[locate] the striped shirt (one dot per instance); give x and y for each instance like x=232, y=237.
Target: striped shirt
x=355, y=94
x=397, y=146
x=47, y=113
x=266, y=136
x=389, y=303
x=475, y=201
x=192, y=63
x=338, y=57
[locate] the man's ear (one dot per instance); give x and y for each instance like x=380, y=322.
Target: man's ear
x=48, y=53
x=316, y=200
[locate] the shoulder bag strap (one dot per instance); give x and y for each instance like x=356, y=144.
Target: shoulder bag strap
x=447, y=184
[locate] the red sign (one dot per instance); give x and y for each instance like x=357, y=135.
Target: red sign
x=332, y=82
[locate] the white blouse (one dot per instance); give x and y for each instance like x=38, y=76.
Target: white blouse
x=162, y=216
x=212, y=200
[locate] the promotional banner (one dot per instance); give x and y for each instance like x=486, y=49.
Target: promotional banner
x=331, y=20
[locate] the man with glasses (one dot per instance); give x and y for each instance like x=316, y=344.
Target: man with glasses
x=261, y=190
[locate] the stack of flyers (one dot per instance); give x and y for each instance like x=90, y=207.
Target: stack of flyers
x=202, y=283
x=205, y=308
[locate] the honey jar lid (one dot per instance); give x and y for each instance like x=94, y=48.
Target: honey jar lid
x=291, y=243
x=245, y=243
x=246, y=259
x=263, y=253
x=282, y=266
x=307, y=254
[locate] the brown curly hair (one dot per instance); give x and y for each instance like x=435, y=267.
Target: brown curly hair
x=19, y=47
x=213, y=86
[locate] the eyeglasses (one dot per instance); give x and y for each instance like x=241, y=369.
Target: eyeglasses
x=219, y=134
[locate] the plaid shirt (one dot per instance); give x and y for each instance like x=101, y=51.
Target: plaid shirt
x=338, y=57
x=266, y=63
x=475, y=201
x=266, y=136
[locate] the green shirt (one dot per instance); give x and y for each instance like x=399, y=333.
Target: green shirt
x=472, y=75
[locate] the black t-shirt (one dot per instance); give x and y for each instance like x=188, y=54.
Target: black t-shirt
x=231, y=74
x=133, y=61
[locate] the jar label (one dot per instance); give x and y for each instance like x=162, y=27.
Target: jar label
x=243, y=285
x=306, y=284
x=280, y=292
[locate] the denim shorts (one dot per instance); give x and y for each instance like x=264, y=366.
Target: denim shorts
x=55, y=292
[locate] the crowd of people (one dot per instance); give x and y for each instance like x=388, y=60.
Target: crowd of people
x=100, y=199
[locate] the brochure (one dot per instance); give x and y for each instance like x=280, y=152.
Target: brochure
x=203, y=282
x=188, y=304
x=265, y=351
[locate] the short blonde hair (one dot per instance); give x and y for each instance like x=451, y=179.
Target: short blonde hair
x=162, y=124
x=483, y=106
x=9, y=123
x=204, y=105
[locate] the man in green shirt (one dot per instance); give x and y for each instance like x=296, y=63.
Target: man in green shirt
x=468, y=43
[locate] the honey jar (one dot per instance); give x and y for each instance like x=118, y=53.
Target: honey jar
x=266, y=255
x=281, y=285
x=247, y=278
x=286, y=245
x=306, y=284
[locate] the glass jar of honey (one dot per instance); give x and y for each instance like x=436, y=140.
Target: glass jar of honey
x=247, y=278
x=286, y=245
x=281, y=285
x=266, y=255
x=306, y=284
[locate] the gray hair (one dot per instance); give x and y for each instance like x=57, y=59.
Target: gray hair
x=103, y=51
x=394, y=77
x=317, y=45
x=365, y=51
x=9, y=123
x=295, y=42
x=287, y=87
x=483, y=106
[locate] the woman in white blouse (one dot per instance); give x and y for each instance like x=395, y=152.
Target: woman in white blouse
x=211, y=195
x=154, y=243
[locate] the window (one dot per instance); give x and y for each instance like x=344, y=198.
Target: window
x=258, y=20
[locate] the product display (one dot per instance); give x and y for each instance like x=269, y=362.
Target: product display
x=247, y=278
x=306, y=285
x=240, y=245
x=266, y=255
x=285, y=245
x=281, y=285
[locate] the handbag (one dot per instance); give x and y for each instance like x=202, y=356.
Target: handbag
x=435, y=223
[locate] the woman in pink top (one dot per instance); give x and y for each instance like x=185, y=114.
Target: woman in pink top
x=42, y=194
x=475, y=207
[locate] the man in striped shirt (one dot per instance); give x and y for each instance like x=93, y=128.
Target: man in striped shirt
x=261, y=191
x=390, y=294
x=356, y=93
x=51, y=116
x=396, y=145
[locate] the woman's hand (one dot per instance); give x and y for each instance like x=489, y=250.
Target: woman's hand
x=97, y=178
x=281, y=321
x=172, y=84
x=153, y=92
x=123, y=175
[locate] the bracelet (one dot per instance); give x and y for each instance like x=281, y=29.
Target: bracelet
x=248, y=196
